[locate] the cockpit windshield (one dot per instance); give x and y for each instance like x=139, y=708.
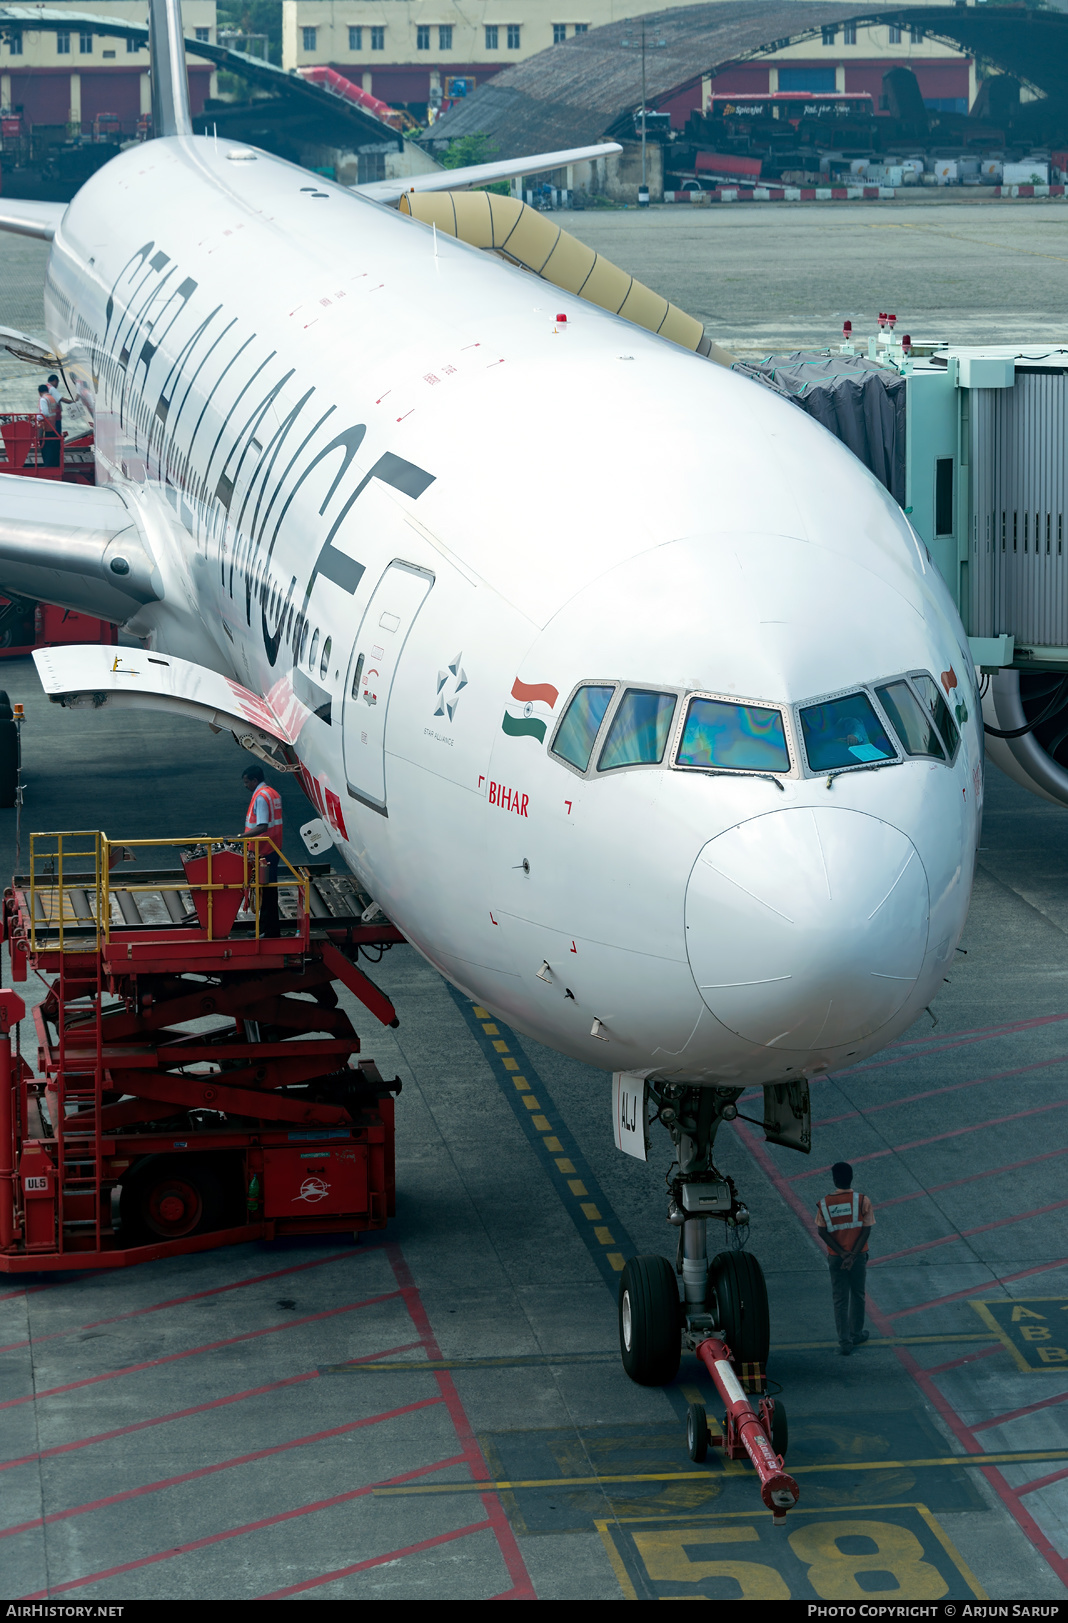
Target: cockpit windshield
x=911, y=722
x=578, y=731
x=931, y=694
x=639, y=732
x=844, y=732
x=734, y=737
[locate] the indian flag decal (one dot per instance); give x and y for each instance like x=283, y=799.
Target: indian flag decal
x=530, y=710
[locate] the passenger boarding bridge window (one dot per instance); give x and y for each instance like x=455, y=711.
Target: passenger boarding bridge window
x=931, y=694
x=733, y=737
x=639, y=732
x=355, y=39
x=491, y=36
x=910, y=720
x=309, y=38
x=577, y=733
x=844, y=732
x=944, y=496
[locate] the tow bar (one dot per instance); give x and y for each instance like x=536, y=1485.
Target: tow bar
x=744, y=1430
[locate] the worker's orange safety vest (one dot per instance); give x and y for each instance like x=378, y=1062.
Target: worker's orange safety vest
x=841, y=1216
x=274, y=822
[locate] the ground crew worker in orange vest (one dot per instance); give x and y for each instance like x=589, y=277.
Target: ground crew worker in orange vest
x=264, y=820
x=845, y=1219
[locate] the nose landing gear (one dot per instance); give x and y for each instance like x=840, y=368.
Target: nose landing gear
x=723, y=1314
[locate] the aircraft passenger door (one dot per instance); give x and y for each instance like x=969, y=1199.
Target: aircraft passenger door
x=387, y=620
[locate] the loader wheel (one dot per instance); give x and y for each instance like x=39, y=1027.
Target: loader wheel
x=170, y=1197
x=650, y=1342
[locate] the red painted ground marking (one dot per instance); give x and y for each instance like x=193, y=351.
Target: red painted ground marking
x=377, y=1561
x=191, y=1352
x=960, y=1039
x=968, y=1358
x=933, y=1093
x=197, y=1296
x=923, y=1380
x=473, y=1455
x=1042, y=1482
x=210, y=1470
x=966, y=1234
x=239, y=1532
x=938, y=1138
x=1019, y=1414
x=199, y=1408
x=971, y=1290
x=996, y=1480
x=974, y=1177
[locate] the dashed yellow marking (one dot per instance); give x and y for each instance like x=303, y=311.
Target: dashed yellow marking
x=491, y=1030
x=501, y=1047
x=555, y=1147
x=510, y=1064
x=543, y=1126
x=577, y=1187
x=589, y=1210
x=563, y=1165
x=481, y=1014
x=521, y=1083
x=530, y=1102
x=615, y=1260
x=604, y=1236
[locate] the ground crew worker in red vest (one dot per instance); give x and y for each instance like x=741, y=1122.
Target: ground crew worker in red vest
x=263, y=820
x=844, y=1220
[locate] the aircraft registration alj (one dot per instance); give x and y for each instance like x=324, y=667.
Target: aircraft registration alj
x=681, y=776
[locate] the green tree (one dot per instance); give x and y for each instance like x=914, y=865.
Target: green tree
x=255, y=17
x=465, y=150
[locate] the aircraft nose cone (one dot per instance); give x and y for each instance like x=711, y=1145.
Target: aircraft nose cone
x=807, y=928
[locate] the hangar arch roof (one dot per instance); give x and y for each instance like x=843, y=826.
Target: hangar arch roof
x=575, y=93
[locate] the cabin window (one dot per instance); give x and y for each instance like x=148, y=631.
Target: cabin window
x=733, y=737
x=578, y=731
x=911, y=722
x=314, y=649
x=639, y=732
x=305, y=628
x=324, y=663
x=844, y=732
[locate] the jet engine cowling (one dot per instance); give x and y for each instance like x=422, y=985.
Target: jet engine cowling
x=1038, y=758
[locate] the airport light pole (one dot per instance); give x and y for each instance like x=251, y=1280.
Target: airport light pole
x=628, y=44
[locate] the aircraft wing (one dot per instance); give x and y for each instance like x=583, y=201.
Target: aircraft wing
x=30, y=219
x=479, y=174
x=134, y=678
x=75, y=545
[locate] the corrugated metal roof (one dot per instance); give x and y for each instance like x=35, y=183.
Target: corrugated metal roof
x=587, y=88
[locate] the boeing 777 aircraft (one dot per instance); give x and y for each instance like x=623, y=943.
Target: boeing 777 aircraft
x=625, y=690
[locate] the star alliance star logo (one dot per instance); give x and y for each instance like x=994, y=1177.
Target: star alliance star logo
x=451, y=684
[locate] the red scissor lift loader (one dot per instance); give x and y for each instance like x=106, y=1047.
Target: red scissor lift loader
x=196, y=1082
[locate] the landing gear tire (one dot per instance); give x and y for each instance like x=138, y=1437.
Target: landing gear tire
x=171, y=1197
x=738, y=1298
x=780, y=1430
x=649, y=1321
x=696, y=1432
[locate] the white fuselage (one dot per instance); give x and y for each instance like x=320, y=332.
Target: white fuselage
x=387, y=486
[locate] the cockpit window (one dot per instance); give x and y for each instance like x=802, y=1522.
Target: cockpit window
x=733, y=737
x=931, y=694
x=844, y=732
x=912, y=724
x=639, y=732
x=578, y=731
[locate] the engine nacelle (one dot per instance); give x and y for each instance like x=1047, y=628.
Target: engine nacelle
x=1038, y=759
